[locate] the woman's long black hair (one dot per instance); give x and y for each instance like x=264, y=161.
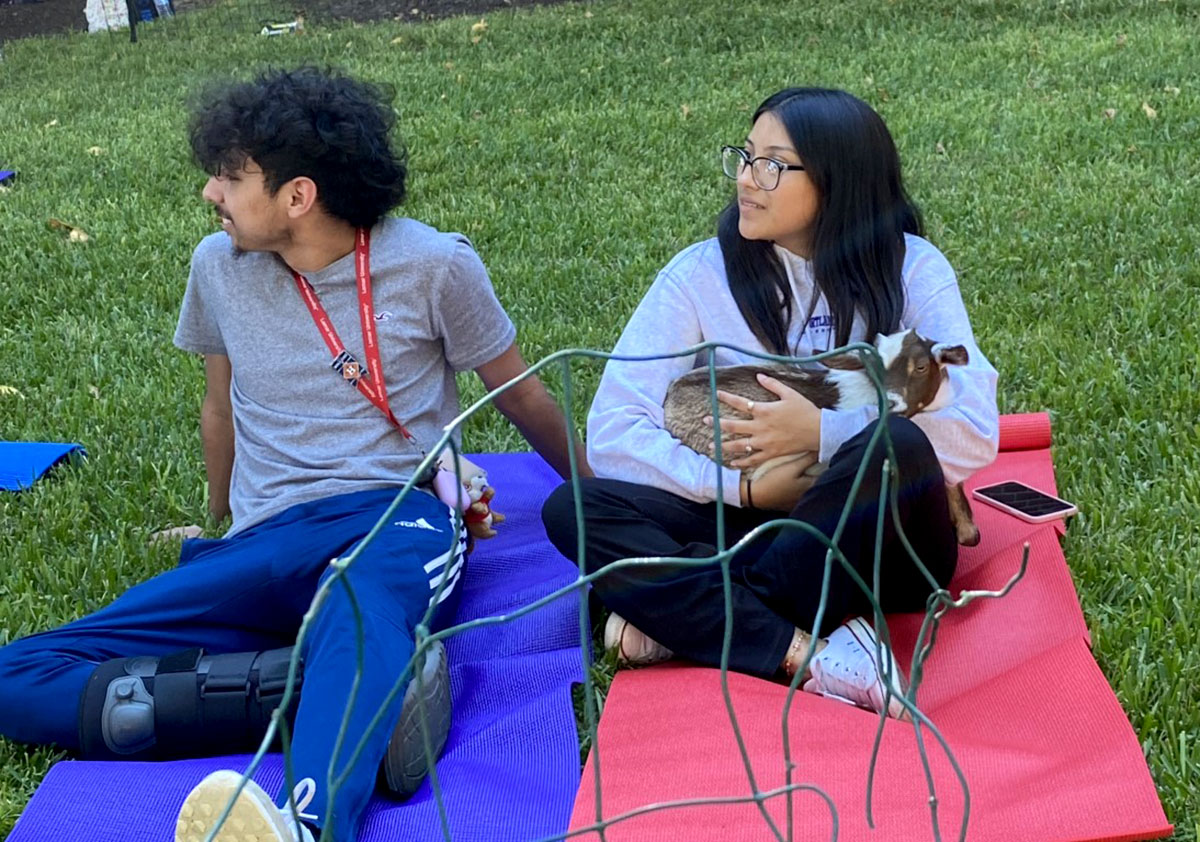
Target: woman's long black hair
x=858, y=235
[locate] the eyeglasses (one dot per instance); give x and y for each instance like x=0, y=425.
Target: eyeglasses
x=765, y=171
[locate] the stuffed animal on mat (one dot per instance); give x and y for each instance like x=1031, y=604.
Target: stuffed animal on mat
x=473, y=497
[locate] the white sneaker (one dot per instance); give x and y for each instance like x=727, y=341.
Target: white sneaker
x=633, y=647
x=254, y=815
x=846, y=670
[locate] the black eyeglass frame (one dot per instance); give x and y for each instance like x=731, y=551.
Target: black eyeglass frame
x=747, y=161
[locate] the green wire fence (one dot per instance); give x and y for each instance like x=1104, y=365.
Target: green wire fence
x=938, y=604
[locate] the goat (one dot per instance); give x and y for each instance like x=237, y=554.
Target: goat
x=914, y=380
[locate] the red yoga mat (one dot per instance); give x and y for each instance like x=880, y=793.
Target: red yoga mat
x=1026, y=431
x=1047, y=752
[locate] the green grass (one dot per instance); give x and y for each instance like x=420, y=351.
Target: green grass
x=576, y=145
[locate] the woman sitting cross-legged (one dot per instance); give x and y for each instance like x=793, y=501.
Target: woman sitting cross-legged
x=821, y=247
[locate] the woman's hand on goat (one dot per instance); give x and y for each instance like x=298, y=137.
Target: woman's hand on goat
x=789, y=425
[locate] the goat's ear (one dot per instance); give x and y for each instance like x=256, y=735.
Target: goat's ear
x=844, y=362
x=950, y=354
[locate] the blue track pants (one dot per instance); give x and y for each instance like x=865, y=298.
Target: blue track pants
x=248, y=593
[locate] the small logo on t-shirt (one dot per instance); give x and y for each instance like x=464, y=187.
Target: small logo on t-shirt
x=819, y=330
x=383, y=315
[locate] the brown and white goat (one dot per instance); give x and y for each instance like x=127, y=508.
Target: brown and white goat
x=914, y=380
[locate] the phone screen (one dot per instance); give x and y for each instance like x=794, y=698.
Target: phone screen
x=1023, y=498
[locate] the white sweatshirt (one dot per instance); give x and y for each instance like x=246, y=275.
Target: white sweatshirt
x=690, y=302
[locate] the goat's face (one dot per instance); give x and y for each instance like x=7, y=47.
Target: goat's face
x=914, y=371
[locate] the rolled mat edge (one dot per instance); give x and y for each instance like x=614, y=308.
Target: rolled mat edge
x=1025, y=431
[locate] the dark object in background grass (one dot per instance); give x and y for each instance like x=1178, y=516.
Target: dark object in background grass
x=46, y=17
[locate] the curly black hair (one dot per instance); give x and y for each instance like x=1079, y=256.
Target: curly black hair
x=306, y=122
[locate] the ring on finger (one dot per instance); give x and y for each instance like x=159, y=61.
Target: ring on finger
x=749, y=449
x=750, y=406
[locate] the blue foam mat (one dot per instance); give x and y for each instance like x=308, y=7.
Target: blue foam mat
x=23, y=462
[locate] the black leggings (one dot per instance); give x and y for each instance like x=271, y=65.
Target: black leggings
x=776, y=580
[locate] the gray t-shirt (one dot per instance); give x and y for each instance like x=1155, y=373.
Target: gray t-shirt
x=301, y=432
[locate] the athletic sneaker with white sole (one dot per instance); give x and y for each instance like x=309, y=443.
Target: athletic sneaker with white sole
x=846, y=670
x=427, y=700
x=254, y=815
x=633, y=646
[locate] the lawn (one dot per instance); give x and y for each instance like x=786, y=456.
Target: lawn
x=1052, y=145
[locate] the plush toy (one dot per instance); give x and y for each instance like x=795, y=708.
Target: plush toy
x=479, y=516
x=473, y=497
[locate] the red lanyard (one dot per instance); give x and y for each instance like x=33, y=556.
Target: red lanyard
x=371, y=382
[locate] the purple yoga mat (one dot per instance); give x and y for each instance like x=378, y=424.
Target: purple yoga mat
x=511, y=765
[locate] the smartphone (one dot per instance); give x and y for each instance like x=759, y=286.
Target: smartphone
x=1024, y=501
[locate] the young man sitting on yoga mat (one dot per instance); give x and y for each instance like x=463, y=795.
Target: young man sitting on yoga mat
x=306, y=457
